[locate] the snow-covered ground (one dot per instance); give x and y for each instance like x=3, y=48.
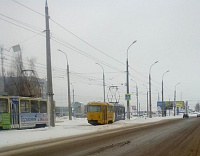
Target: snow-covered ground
x=65, y=127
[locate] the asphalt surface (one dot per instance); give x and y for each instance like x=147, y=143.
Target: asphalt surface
x=177, y=137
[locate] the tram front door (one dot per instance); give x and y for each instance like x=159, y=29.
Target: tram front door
x=14, y=111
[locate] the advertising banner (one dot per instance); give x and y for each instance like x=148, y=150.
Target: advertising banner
x=134, y=108
x=31, y=119
x=179, y=103
x=5, y=120
x=159, y=104
x=170, y=104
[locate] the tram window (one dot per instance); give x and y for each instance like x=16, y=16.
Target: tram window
x=25, y=106
x=94, y=108
x=43, y=107
x=3, y=105
x=34, y=106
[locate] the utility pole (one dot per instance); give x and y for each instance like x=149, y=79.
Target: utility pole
x=147, y=100
x=139, y=109
x=150, y=112
x=147, y=105
x=162, y=101
x=104, y=93
x=169, y=108
x=68, y=83
x=137, y=97
x=137, y=101
x=69, y=97
x=175, y=99
x=127, y=82
x=72, y=92
x=49, y=72
x=163, y=104
x=2, y=69
x=186, y=107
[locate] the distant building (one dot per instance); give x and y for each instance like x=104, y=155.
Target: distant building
x=61, y=111
x=78, y=109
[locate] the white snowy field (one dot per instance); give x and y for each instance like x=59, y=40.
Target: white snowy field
x=65, y=127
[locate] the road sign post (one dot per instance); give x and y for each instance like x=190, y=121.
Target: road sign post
x=127, y=97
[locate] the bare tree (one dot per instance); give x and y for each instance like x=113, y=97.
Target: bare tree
x=23, y=82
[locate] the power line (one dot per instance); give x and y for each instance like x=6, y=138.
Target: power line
x=78, y=37
x=86, y=42
x=28, y=8
x=85, y=54
x=18, y=25
x=28, y=25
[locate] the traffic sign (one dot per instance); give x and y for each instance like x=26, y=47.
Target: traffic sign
x=127, y=97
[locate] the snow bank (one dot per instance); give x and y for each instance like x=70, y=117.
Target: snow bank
x=65, y=127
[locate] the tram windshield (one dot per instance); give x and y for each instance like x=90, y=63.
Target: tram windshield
x=3, y=105
x=93, y=108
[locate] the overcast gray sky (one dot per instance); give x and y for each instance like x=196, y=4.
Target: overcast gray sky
x=166, y=31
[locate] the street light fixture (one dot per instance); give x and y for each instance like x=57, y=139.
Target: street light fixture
x=150, y=114
x=175, y=98
x=68, y=82
x=162, y=94
x=103, y=83
x=127, y=81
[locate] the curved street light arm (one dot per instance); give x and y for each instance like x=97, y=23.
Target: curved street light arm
x=152, y=66
x=101, y=66
x=65, y=55
x=164, y=74
x=177, y=85
x=129, y=47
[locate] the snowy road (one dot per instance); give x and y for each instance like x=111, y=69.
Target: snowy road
x=169, y=137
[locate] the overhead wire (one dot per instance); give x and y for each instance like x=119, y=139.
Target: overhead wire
x=76, y=49
x=77, y=36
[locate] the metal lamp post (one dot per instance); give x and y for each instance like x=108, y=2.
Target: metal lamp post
x=127, y=81
x=72, y=92
x=163, y=94
x=68, y=82
x=137, y=96
x=147, y=100
x=150, y=113
x=175, y=98
x=103, y=83
x=158, y=95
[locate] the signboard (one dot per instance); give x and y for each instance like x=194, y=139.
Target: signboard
x=159, y=104
x=134, y=108
x=127, y=97
x=5, y=120
x=179, y=103
x=169, y=104
x=31, y=119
